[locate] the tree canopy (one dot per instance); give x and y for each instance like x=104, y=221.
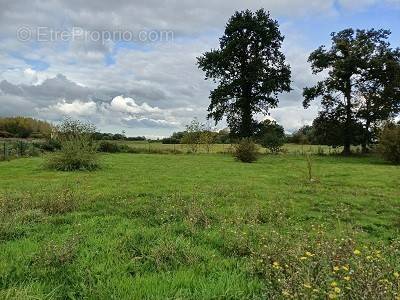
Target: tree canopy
x=249, y=68
x=362, y=81
x=23, y=127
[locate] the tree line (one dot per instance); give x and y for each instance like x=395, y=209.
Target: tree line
x=23, y=127
x=359, y=92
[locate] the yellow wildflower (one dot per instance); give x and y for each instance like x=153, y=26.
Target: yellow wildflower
x=337, y=290
x=303, y=258
x=347, y=278
x=396, y=274
x=332, y=296
x=275, y=265
x=357, y=252
x=333, y=283
x=309, y=254
x=336, y=268
x=306, y=285
x=346, y=268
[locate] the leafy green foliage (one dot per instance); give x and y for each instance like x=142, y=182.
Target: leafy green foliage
x=22, y=127
x=249, y=68
x=109, y=147
x=50, y=145
x=207, y=139
x=246, y=150
x=192, y=135
x=361, y=69
x=78, y=148
x=330, y=131
x=271, y=136
x=304, y=136
x=389, y=143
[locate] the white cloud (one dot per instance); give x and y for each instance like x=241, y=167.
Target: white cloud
x=76, y=108
x=129, y=105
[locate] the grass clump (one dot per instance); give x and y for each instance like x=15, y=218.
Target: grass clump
x=78, y=148
x=54, y=254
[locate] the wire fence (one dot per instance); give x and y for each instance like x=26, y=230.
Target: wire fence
x=11, y=149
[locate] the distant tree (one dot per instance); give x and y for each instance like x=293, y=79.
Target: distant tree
x=271, y=135
x=329, y=130
x=347, y=63
x=249, y=68
x=23, y=127
x=305, y=135
x=223, y=137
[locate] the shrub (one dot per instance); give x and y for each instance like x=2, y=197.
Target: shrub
x=49, y=145
x=207, y=139
x=271, y=135
x=246, y=151
x=78, y=148
x=272, y=142
x=109, y=147
x=389, y=143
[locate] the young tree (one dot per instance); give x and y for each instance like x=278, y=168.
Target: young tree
x=271, y=136
x=348, y=61
x=192, y=135
x=249, y=68
x=208, y=137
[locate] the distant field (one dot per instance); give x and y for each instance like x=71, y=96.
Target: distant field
x=225, y=148
x=200, y=227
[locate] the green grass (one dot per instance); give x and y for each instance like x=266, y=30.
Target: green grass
x=227, y=148
x=200, y=227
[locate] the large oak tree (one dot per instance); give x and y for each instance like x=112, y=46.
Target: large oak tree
x=359, y=85
x=250, y=71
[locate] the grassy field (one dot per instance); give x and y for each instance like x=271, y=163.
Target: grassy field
x=226, y=148
x=201, y=227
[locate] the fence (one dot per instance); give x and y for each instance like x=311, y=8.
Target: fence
x=11, y=149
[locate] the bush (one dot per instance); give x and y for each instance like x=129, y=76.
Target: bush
x=246, y=151
x=109, y=147
x=49, y=145
x=389, y=143
x=78, y=149
x=272, y=142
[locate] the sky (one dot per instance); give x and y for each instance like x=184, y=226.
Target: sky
x=128, y=65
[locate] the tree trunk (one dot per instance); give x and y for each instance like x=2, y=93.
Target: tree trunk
x=245, y=128
x=366, y=138
x=348, y=124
